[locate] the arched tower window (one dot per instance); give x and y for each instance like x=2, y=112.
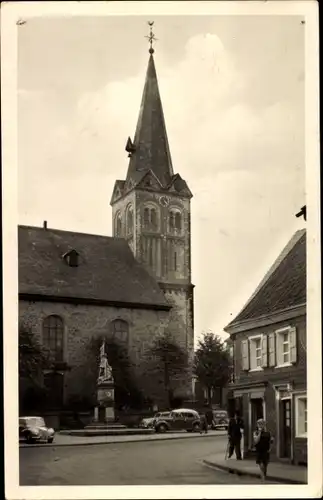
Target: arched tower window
x=120, y=330
x=151, y=219
x=53, y=337
x=175, y=222
x=129, y=221
x=118, y=225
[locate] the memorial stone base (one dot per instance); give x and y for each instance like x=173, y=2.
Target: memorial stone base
x=104, y=416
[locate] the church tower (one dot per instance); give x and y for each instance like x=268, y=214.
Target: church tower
x=151, y=209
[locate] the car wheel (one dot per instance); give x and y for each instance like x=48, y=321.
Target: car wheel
x=29, y=439
x=50, y=440
x=161, y=428
x=188, y=430
x=196, y=427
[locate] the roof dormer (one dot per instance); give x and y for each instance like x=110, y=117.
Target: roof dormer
x=72, y=258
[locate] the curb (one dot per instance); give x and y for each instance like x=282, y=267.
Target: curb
x=239, y=472
x=124, y=432
x=93, y=443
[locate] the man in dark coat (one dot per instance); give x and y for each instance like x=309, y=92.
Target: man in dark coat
x=234, y=434
x=203, y=423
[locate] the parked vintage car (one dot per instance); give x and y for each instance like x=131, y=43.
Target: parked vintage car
x=180, y=419
x=149, y=423
x=220, y=419
x=33, y=429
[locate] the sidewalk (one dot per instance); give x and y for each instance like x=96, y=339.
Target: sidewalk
x=277, y=471
x=66, y=440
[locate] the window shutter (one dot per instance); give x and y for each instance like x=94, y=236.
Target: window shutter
x=245, y=354
x=272, y=349
x=301, y=416
x=264, y=352
x=279, y=349
x=293, y=345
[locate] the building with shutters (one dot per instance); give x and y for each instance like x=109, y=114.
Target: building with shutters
x=133, y=285
x=269, y=349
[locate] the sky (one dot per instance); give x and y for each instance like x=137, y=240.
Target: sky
x=232, y=89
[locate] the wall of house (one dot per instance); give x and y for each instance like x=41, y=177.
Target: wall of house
x=297, y=371
x=82, y=322
x=267, y=379
x=300, y=451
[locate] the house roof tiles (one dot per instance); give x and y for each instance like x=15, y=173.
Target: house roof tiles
x=283, y=287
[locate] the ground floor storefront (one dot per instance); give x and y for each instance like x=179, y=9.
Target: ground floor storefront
x=285, y=410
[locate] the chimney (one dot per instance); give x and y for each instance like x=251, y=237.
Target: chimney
x=45, y=224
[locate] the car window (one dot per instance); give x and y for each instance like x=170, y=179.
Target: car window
x=36, y=422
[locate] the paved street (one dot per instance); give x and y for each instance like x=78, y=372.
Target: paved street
x=151, y=463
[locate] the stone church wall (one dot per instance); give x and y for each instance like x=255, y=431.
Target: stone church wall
x=82, y=322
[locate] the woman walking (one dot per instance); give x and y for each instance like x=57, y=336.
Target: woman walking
x=262, y=440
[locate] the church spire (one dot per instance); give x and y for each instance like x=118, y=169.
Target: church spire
x=150, y=149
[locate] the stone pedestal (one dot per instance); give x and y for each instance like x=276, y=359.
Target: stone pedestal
x=104, y=416
x=109, y=414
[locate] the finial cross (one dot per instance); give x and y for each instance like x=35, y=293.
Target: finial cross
x=151, y=37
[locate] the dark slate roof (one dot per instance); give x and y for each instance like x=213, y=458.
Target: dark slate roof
x=151, y=143
x=284, y=286
x=107, y=269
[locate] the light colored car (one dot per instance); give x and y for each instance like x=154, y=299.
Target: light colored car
x=33, y=429
x=149, y=423
x=177, y=420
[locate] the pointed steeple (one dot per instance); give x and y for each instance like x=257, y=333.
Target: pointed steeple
x=151, y=149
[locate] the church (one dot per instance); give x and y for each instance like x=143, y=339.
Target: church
x=132, y=286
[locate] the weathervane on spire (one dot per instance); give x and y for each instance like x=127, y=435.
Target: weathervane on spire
x=151, y=37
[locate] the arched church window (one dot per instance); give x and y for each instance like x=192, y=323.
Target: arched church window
x=120, y=330
x=53, y=337
x=175, y=222
x=118, y=225
x=129, y=224
x=178, y=221
x=150, y=219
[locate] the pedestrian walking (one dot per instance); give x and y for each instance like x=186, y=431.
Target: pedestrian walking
x=262, y=440
x=203, y=424
x=235, y=429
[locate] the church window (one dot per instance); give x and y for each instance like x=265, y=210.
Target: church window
x=146, y=218
x=151, y=252
x=129, y=221
x=175, y=222
x=175, y=261
x=173, y=257
x=120, y=330
x=53, y=336
x=150, y=219
x=118, y=225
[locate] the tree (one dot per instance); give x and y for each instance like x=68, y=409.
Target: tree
x=168, y=363
x=32, y=357
x=212, y=364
